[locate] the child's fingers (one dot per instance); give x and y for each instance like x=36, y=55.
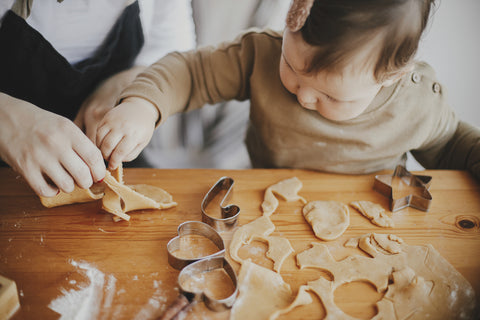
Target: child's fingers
x=124, y=148
x=134, y=153
x=102, y=132
x=110, y=143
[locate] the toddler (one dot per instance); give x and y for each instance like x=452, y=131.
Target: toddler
x=336, y=91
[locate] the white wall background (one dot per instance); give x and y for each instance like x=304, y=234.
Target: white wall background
x=451, y=45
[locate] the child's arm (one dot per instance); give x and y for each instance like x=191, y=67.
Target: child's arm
x=461, y=152
x=177, y=83
x=126, y=130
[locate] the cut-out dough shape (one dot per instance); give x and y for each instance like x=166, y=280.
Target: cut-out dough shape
x=373, y=212
x=424, y=284
x=329, y=219
x=287, y=189
x=78, y=195
x=278, y=249
x=261, y=293
x=259, y=229
x=376, y=243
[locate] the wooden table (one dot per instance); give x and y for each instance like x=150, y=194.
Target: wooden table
x=123, y=268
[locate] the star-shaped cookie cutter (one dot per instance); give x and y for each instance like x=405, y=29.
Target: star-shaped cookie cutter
x=390, y=185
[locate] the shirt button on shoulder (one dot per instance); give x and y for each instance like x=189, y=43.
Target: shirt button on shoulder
x=416, y=77
x=436, y=87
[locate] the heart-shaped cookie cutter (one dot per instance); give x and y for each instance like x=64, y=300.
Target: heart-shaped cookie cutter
x=229, y=213
x=191, y=266
x=193, y=228
x=206, y=265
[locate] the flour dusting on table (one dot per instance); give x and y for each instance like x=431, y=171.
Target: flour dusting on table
x=86, y=302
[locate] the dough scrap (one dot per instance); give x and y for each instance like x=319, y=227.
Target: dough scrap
x=278, y=249
x=259, y=229
x=390, y=243
x=374, y=212
x=117, y=198
x=329, y=219
x=121, y=198
x=423, y=284
x=302, y=298
x=78, y=195
x=262, y=288
x=287, y=189
x=376, y=243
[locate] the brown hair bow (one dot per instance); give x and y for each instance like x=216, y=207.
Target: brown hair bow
x=298, y=14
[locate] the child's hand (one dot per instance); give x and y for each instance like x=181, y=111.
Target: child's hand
x=48, y=150
x=126, y=130
x=102, y=100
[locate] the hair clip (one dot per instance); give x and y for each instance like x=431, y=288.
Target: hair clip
x=298, y=14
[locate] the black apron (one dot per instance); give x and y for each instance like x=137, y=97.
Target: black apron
x=32, y=70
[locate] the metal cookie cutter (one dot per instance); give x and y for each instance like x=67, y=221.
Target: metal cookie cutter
x=194, y=266
x=387, y=184
x=188, y=298
x=196, y=228
x=228, y=213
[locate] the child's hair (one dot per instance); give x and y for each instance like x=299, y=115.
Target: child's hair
x=337, y=28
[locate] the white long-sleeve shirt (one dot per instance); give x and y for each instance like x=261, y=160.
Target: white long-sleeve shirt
x=76, y=28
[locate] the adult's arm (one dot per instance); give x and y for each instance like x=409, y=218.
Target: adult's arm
x=48, y=150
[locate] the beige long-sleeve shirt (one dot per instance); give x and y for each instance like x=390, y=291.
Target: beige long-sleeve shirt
x=411, y=115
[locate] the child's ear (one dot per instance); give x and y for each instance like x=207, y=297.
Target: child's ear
x=398, y=75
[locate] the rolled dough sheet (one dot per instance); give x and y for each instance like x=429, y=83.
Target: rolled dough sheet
x=78, y=195
x=261, y=293
x=423, y=284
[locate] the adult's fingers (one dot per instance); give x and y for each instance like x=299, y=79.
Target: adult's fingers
x=78, y=170
x=59, y=177
x=39, y=185
x=87, y=160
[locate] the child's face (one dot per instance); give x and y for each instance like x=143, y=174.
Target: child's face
x=336, y=96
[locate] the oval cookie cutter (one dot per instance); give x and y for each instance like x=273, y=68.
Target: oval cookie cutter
x=229, y=213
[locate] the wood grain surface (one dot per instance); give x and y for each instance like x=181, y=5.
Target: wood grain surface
x=122, y=267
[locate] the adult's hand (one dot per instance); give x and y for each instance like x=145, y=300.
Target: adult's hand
x=48, y=150
x=102, y=100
